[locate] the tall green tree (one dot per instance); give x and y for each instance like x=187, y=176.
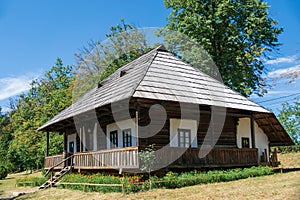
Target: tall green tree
x=289, y=117
x=238, y=34
x=47, y=97
x=5, y=137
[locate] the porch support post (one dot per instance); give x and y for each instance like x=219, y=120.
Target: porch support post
x=252, y=130
x=80, y=139
x=212, y=133
x=47, y=144
x=137, y=123
x=65, y=152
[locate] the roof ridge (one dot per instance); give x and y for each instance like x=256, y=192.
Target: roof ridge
x=147, y=69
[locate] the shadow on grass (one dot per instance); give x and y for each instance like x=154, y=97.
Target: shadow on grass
x=286, y=170
x=9, y=178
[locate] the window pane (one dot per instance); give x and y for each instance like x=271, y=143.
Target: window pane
x=127, y=138
x=184, y=137
x=114, y=139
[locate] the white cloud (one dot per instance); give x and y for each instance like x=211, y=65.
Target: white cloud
x=279, y=72
x=288, y=59
x=276, y=92
x=11, y=86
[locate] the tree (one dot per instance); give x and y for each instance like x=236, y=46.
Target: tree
x=289, y=117
x=148, y=158
x=100, y=59
x=5, y=138
x=238, y=34
x=47, y=97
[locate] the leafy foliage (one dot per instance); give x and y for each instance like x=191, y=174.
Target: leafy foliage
x=3, y=172
x=288, y=149
x=47, y=97
x=31, y=181
x=170, y=180
x=147, y=158
x=99, y=60
x=129, y=182
x=289, y=117
x=238, y=34
x=5, y=137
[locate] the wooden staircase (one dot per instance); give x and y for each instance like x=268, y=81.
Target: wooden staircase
x=53, y=179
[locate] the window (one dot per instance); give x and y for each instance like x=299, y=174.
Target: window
x=114, y=139
x=127, y=139
x=245, y=142
x=184, y=137
x=71, y=147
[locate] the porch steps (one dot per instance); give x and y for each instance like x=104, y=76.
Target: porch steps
x=53, y=180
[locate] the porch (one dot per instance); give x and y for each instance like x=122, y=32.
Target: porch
x=170, y=157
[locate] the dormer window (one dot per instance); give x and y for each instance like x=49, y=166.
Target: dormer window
x=100, y=85
x=122, y=73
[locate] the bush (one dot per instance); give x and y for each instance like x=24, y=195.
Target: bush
x=31, y=181
x=169, y=181
x=95, y=178
x=3, y=172
x=288, y=149
x=174, y=180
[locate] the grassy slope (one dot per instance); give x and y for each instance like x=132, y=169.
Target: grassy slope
x=278, y=186
x=289, y=159
x=8, y=185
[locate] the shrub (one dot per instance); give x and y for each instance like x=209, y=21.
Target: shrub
x=169, y=181
x=3, y=172
x=31, y=181
x=288, y=149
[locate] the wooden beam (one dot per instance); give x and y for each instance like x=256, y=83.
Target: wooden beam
x=65, y=145
x=80, y=139
x=137, y=124
x=252, y=130
x=47, y=143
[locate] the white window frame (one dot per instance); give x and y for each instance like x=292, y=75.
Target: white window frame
x=120, y=126
x=176, y=124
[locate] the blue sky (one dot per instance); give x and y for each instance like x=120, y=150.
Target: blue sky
x=34, y=33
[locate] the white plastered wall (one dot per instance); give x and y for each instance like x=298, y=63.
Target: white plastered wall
x=93, y=131
x=261, y=139
x=176, y=124
x=72, y=138
x=120, y=126
x=243, y=130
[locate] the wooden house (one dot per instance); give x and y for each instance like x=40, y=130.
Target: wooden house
x=194, y=120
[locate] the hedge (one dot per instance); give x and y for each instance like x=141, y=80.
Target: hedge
x=3, y=172
x=288, y=149
x=31, y=181
x=170, y=180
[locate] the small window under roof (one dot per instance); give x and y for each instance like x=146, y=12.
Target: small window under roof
x=122, y=73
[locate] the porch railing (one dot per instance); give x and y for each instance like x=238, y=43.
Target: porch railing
x=51, y=161
x=174, y=157
x=106, y=159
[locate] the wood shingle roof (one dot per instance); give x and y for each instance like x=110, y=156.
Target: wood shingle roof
x=159, y=75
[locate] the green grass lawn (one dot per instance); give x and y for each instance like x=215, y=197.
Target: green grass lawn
x=278, y=186
x=8, y=185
